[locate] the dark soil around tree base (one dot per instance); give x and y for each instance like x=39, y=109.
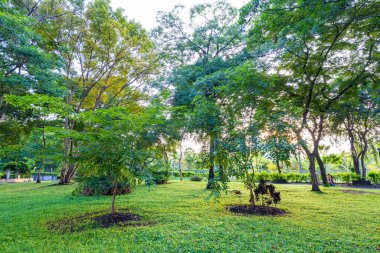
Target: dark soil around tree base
x=256, y=210
x=108, y=220
x=101, y=219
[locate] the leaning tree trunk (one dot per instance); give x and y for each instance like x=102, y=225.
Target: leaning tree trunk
x=321, y=168
x=278, y=166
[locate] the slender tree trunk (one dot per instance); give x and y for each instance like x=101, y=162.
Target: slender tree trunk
x=211, y=172
x=278, y=166
x=39, y=172
x=300, y=163
x=362, y=157
x=62, y=179
x=180, y=162
x=114, y=198
x=250, y=187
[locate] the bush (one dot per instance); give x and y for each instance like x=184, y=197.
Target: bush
x=266, y=193
x=293, y=177
x=278, y=178
x=262, y=175
x=346, y=177
x=196, y=178
x=374, y=177
x=175, y=173
x=100, y=185
x=160, y=176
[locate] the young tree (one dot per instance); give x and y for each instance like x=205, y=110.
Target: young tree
x=116, y=143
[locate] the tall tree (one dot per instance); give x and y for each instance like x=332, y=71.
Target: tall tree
x=200, y=49
x=106, y=57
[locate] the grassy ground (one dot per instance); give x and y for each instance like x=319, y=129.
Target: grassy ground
x=182, y=221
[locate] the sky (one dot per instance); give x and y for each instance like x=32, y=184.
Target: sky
x=145, y=11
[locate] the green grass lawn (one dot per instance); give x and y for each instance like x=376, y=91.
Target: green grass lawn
x=181, y=220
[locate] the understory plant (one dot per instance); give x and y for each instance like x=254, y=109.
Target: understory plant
x=266, y=194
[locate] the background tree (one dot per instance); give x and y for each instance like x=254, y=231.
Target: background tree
x=306, y=43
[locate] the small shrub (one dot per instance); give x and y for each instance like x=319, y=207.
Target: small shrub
x=196, y=178
x=100, y=185
x=266, y=194
x=374, y=177
x=160, y=176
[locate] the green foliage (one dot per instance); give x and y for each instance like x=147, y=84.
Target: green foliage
x=159, y=177
x=374, y=177
x=346, y=177
x=101, y=185
x=278, y=177
x=196, y=178
x=266, y=194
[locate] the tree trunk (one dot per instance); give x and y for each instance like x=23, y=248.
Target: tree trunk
x=211, y=172
x=7, y=174
x=321, y=168
x=354, y=153
x=313, y=174
x=114, y=198
x=363, y=154
x=38, y=176
x=278, y=166
x=250, y=187
x=180, y=162
x=300, y=163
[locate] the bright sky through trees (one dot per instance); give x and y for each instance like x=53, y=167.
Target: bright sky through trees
x=145, y=11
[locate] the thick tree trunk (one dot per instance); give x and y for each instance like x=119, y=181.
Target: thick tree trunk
x=321, y=168
x=7, y=174
x=354, y=153
x=313, y=174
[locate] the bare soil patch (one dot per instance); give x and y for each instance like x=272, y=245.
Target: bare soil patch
x=100, y=219
x=256, y=210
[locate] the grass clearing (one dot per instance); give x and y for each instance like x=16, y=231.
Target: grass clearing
x=181, y=220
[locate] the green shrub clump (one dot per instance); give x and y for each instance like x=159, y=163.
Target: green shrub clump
x=374, y=177
x=160, y=176
x=196, y=178
x=100, y=185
